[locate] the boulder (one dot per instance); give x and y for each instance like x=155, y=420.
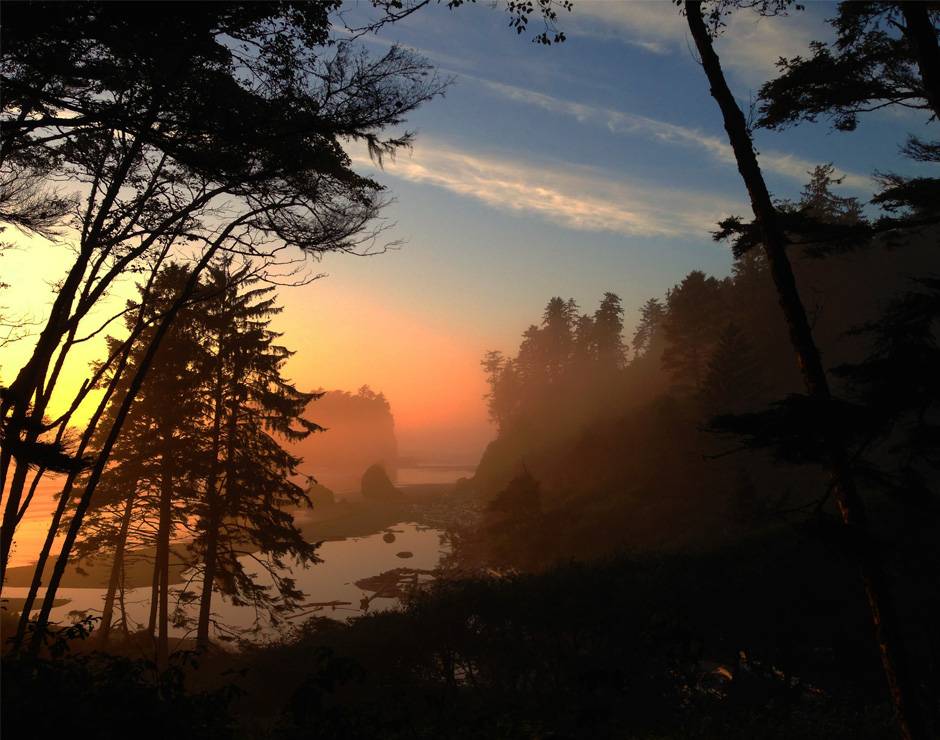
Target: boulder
x=377, y=486
x=321, y=496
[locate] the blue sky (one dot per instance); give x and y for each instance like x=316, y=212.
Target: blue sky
x=598, y=164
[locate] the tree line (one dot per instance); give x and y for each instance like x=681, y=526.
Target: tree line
x=229, y=140
x=218, y=160
x=201, y=457
x=884, y=55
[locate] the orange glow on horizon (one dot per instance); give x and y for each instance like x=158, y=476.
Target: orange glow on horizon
x=342, y=337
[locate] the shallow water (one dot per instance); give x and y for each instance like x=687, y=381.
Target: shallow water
x=433, y=474
x=32, y=530
x=344, y=562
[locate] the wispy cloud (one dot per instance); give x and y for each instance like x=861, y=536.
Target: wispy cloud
x=631, y=124
x=577, y=198
x=750, y=46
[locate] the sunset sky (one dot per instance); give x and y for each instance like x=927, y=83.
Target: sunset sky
x=599, y=164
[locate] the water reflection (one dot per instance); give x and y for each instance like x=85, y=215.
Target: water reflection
x=330, y=582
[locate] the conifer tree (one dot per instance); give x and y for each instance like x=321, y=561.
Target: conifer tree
x=608, y=332
x=652, y=315
x=247, y=494
x=851, y=506
x=695, y=316
x=732, y=380
x=556, y=337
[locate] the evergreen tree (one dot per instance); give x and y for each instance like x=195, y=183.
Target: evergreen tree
x=652, y=316
x=732, y=380
x=585, y=351
x=247, y=494
x=555, y=335
x=149, y=490
x=608, y=332
x=868, y=66
x=494, y=365
x=774, y=241
x=531, y=361
x=695, y=316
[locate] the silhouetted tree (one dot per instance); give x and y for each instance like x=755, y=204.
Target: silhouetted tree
x=817, y=387
x=652, y=317
x=695, y=316
x=162, y=452
x=585, y=350
x=885, y=54
x=247, y=494
x=230, y=134
x=732, y=380
x=555, y=334
x=608, y=332
x=869, y=66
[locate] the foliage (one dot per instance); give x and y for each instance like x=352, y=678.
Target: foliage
x=100, y=695
x=869, y=66
x=218, y=471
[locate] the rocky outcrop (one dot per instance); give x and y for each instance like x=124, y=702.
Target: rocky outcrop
x=377, y=486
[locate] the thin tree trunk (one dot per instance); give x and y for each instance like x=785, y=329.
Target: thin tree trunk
x=154, y=600
x=851, y=508
x=30, y=379
x=87, y=435
x=208, y=580
x=130, y=396
x=11, y=511
x=18, y=395
x=163, y=554
x=121, y=593
x=922, y=36
x=212, y=495
x=117, y=567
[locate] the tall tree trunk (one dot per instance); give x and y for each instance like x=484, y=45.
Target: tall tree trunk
x=115, y=431
x=851, y=508
x=213, y=539
x=208, y=580
x=121, y=594
x=154, y=601
x=11, y=510
x=66, y=494
x=15, y=409
x=213, y=517
x=117, y=568
x=163, y=553
x=36, y=583
x=15, y=406
x=922, y=35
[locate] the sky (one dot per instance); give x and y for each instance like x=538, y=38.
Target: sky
x=596, y=165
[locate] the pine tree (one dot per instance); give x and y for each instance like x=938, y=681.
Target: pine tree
x=149, y=489
x=608, y=332
x=694, y=319
x=247, y=493
x=555, y=335
x=733, y=377
x=652, y=316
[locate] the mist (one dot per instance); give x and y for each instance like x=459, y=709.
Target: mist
x=377, y=370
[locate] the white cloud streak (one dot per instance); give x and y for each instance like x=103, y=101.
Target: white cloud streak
x=631, y=124
x=750, y=45
x=576, y=198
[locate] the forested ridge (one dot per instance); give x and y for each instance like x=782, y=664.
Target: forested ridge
x=710, y=512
